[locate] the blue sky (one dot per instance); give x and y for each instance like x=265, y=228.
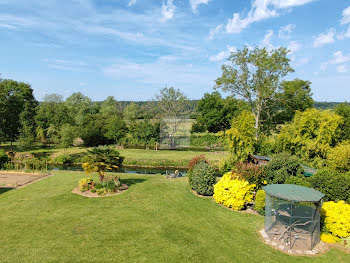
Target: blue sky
x=130, y=49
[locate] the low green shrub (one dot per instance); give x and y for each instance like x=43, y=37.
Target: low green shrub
x=191, y=164
x=203, y=178
x=303, y=181
x=155, y=162
x=335, y=186
x=282, y=166
x=226, y=165
x=63, y=158
x=3, y=158
x=111, y=183
x=206, y=140
x=259, y=204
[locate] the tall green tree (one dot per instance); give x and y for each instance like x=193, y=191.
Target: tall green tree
x=52, y=112
x=254, y=76
x=343, y=110
x=131, y=112
x=78, y=106
x=110, y=107
x=215, y=113
x=115, y=129
x=291, y=96
x=17, y=111
x=67, y=135
x=311, y=134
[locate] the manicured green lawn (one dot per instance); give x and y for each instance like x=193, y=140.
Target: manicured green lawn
x=155, y=220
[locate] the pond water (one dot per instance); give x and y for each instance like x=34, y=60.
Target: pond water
x=130, y=170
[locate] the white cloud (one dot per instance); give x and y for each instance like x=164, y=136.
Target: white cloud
x=285, y=31
x=346, y=16
x=131, y=2
x=223, y=54
x=266, y=42
x=7, y=26
x=293, y=47
x=260, y=10
x=339, y=58
x=215, y=31
x=12, y=22
x=195, y=3
x=168, y=10
x=342, y=69
x=162, y=71
x=323, y=39
x=344, y=35
x=289, y=3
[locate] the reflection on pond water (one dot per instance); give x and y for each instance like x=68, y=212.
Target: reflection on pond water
x=130, y=170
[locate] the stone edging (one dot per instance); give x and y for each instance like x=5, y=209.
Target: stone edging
x=321, y=248
x=95, y=195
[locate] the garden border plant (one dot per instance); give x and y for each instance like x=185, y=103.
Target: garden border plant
x=101, y=159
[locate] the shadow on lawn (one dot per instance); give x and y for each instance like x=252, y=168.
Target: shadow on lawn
x=131, y=181
x=5, y=189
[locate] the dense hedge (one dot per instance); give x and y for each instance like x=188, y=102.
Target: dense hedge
x=203, y=178
x=335, y=186
x=206, y=140
x=282, y=166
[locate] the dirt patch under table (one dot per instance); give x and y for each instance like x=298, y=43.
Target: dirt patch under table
x=19, y=179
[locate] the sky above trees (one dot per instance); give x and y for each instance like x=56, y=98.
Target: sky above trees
x=132, y=48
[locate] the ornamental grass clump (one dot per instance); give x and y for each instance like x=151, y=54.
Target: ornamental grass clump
x=233, y=192
x=336, y=218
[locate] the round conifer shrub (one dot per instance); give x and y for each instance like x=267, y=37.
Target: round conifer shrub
x=203, y=178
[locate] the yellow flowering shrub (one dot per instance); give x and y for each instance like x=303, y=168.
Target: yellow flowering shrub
x=233, y=192
x=329, y=238
x=337, y=218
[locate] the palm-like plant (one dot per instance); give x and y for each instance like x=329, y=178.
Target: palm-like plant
x=102, y=159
